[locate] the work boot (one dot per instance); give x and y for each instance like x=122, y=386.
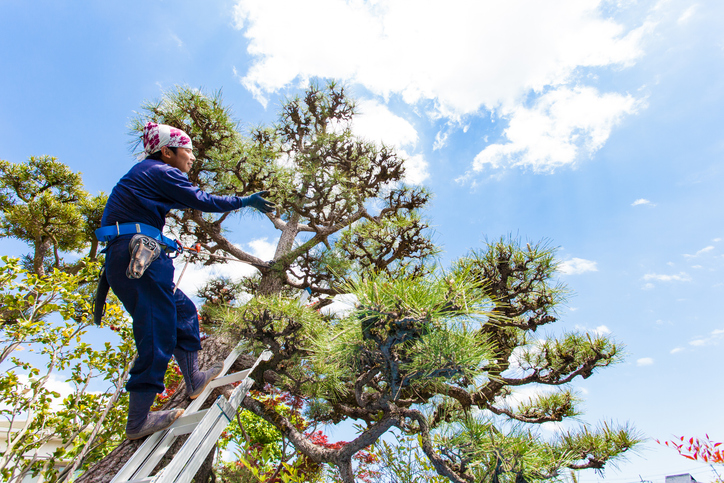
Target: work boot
x=141, y=422
x=196, y=381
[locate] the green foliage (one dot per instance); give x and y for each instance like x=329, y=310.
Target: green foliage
x=321, y=176
x=44, y=204
x=35, y=348
x=263, y=454
x=428, y=354
x=402, y=461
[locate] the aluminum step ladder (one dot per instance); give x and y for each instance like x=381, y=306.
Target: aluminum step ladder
x=205, y=427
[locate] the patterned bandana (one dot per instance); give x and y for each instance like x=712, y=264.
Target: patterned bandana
x=156, y=136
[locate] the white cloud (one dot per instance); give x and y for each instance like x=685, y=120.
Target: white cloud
x=602, y=330
x=676, y=350
x=262, y=248
x=713, y=338
x=700, y=252
x=54, y=383
x=680, y=277
x=576, y=266
x=647, y=286
x=688, y=13
x=196, y=275
x=642, y=201
x=375, y=122
x=415, y=169
x=464, y=54
x=177, y=40
x=564, y=125
x=518, y=60
x=440, y=140
x=644, y=361
x=526, y=393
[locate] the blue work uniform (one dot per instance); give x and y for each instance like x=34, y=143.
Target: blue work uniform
x=162, y=320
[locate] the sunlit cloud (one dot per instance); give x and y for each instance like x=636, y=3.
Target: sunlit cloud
x=577, y=266
x=644, y=361
x=519, y=62
x=642, y=201
x=562, y=127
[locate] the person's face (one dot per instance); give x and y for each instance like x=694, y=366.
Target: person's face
x=182, y=159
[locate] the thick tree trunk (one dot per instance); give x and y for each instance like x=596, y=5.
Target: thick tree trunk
x=41, y=249
x=215, y=348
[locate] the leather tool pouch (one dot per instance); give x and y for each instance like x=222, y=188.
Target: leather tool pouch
x=144, y=250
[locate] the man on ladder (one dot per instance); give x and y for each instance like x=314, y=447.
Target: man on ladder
x=140, y=271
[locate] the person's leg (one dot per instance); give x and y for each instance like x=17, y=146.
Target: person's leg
x=149, y=300
x=188, y=344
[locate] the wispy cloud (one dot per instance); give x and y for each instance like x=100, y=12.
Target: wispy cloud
x=600, y=330
x=642, y=201
x=576, y=266
x=676, y=350
x=644, y=361
x=688, y=13
x=658, y=277
x=700, y=252
x=714, y=338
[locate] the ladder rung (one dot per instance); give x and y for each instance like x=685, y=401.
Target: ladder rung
x=230, y=379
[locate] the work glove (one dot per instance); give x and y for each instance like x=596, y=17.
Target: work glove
x=257, y=201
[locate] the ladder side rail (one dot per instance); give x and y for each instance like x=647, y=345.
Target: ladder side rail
x=155, y=446
x=186, y=462
x=183, y=425
x=133, y=469
x=183, y=468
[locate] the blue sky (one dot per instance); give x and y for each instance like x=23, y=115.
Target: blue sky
x=593, y=124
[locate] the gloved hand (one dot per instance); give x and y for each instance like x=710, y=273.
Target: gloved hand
x=257, y=201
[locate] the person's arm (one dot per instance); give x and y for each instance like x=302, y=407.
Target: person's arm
x=176, y=187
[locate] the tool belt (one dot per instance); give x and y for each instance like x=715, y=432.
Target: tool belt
x=144, y=247
x=108, y=233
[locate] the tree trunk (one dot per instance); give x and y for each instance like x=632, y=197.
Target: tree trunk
x=215, y=348
x=41, y=249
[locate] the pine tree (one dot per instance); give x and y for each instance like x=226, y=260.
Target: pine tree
x=432, y=352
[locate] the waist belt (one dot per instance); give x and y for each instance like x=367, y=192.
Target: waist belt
x=108, y=233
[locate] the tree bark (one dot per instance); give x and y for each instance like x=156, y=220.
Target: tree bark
x=215, y=348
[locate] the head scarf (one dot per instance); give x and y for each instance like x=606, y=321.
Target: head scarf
x=156, y=136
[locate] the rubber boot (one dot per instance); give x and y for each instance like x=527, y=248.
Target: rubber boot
x=196, y=381
x=141, y=422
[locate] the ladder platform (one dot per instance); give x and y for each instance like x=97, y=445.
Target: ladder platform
x=205, y=427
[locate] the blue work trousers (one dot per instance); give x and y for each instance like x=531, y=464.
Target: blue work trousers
x=162, y=320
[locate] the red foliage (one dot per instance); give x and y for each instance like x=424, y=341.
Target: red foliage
x=695, y=449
